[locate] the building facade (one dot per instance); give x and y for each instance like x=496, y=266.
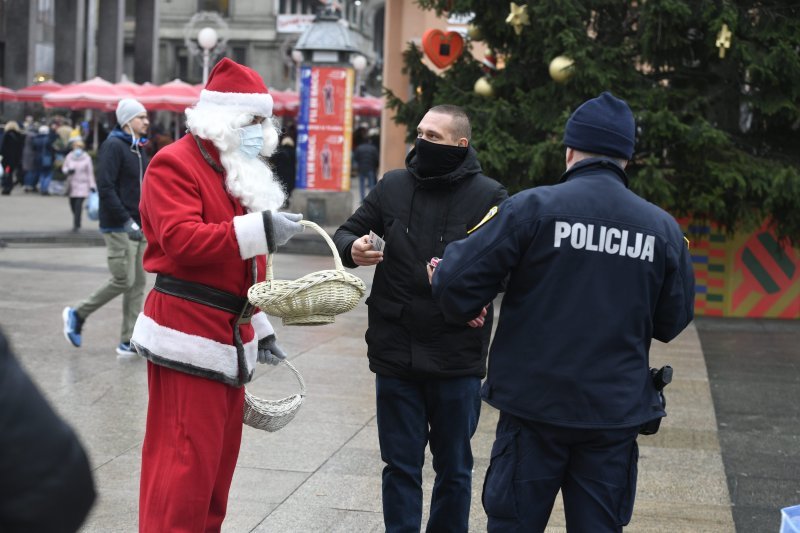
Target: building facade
x=156, y=40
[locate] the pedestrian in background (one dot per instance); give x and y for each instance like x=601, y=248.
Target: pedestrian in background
x=366, y=158
x=121, y=163
x=427, y=370
x=284, y=160
x=46, y=483
x=29, y=156
x=594, y=274
x=79, y=170
x=158, y=140
x=11, y=151
x=43, y=159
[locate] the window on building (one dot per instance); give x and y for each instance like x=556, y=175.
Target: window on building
x=239, y=54
x=220, y=6
x=45, y=12
x=182, y=64
x=310, y=6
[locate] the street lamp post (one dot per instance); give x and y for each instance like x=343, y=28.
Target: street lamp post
x=359, y=64
x=207, y=39
x=297, y=57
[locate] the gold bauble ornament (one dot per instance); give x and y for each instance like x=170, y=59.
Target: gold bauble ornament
x=483, y=87
x=561, y=68
x=474, y=33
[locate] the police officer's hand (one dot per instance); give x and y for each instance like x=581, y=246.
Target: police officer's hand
x=363, y=254
x=269, y=352
x=133, y=230
x=478, y=321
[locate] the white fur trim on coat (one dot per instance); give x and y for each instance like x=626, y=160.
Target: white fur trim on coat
x=192, y=350
x=261, y=325
x=250, y=234
x=256, y=103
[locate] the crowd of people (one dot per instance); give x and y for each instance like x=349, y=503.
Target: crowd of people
x=587, y=286
x=33, y=152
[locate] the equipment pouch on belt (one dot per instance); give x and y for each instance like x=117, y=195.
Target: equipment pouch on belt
x=661, y=378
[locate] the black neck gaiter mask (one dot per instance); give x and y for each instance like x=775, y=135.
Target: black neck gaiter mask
x=438, y=159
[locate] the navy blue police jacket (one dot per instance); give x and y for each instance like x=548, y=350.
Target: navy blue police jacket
x=408, y=337
x=594, y=274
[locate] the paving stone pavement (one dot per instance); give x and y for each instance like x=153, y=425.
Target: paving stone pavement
x=322, y=473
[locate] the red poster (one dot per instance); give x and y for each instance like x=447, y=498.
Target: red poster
x=329, y=126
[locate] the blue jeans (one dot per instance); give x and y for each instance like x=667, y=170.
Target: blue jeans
x=45, y=177
x=31, y=178
x=366, y=180
x=411, y=414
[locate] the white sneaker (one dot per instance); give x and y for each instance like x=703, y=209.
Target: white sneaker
x=125, y=348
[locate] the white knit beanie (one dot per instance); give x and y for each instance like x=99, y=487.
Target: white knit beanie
x=127, y=109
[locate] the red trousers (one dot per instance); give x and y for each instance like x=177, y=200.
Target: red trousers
x=191, y=443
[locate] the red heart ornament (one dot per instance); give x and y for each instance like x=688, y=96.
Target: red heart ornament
x=442, y=48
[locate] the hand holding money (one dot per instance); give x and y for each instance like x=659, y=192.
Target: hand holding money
x=431, y=266
x=363, y=253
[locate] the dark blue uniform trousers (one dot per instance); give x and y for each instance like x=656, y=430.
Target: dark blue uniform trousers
x=595, y=469
x=411, y=414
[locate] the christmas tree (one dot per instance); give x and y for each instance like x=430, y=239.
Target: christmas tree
x=714, y=85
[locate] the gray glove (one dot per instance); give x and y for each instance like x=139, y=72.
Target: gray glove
x=269, y=352
x=279, y=227
x=133, y=230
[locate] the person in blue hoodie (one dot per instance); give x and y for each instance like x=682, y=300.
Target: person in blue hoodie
x=44, y=156
x=121, y=163
x=593, y=273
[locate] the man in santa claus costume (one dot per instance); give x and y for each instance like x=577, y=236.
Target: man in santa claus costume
x=209, y=212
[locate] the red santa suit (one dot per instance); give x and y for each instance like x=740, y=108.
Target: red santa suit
x=197, y=364
x=196, y=231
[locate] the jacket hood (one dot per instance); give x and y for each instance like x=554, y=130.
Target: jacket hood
x=469, y=167
x=127, y=137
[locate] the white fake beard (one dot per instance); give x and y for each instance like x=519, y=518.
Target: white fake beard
x=248, y=179
x=252, y=181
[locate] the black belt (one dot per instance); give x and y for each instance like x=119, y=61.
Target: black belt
x=203, y=294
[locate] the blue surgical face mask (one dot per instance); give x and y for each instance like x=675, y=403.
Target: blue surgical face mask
x=252, y=140
x=78, y=152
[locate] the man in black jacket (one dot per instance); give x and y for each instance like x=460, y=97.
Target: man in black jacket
x=121, y=163
x=428, y=370
x=45, y=481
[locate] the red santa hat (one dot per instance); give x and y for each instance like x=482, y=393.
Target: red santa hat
x=236, y=86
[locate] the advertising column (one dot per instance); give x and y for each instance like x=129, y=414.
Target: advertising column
x=325, y=128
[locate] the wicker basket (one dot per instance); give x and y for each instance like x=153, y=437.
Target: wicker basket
x=313, y=299
x=272, y=415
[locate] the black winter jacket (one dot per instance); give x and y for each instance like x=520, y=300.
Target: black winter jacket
x=120, y=169
x=45, y=480
x=418, y=217
x=11, y=148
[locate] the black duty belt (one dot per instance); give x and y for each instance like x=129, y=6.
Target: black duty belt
x=203, y=294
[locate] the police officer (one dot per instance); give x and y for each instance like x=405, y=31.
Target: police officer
x=594, y=274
